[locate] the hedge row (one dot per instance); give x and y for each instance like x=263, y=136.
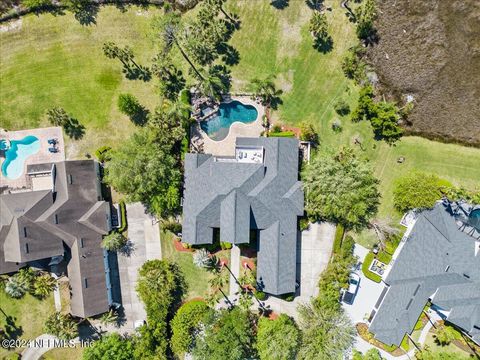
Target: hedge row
x=337, y=243
x=282, y=134
x=123, y=216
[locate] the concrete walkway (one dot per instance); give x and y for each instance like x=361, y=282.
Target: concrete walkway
x=144, y=237
x=42, y=344
x=235, y=268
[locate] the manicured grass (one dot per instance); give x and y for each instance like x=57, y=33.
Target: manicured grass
x=63, y=353
x=365, y=268
x=272, y=41
x=450, y=349
x=196, y=278
x=54, y=61
x=29, y=315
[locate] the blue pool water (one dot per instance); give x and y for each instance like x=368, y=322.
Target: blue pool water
x=217, y=127
x=15, y=156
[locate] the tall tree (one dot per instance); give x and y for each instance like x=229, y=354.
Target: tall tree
x=319, y=30
x=57, y=116
x=44, y=285
x=109, y=347
x=278, y=339
x=341, y=188
x=327, y=333
x=114, y=241
x=226, y=332
x=62, y=326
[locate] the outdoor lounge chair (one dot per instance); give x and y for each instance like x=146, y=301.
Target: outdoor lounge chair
x=52, y=141
x=53, y=149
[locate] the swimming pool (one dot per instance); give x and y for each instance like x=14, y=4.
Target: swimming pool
x=15, y=156
x=217, y=126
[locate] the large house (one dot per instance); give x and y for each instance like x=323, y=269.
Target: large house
x=61, y=217
x=255, y=192
x=439, y=262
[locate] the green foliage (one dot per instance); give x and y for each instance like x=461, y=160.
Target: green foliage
x=304, y=223
x=36, y=4
x=366, y=266
x=353, y=65
x=184, y=325
x=130, y=106
x=260, y=295
x=57, y=116
x=372, y=354
x=319, y=29
x=288, y=297
x=308, y=133
x=114, y=241
x=226, y=332
x=172, y=226
x=62, y=326
x=417, y=190
x=366, y=15
x=445, y=335
x=225, y=245
x=145, y=168
x=277, y=339
x=102, y=153
x=341, y=188
x=123, y=217
x=111, y=346
x=282, y=134
x=337, y=242
x=265, y=90
x=327, y=333
x=384, y=257
x=44, y=286
x=342, y=108
x=160, y=286
x=203, y=259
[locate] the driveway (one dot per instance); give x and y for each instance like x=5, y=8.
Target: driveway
x=144, y=235
x=313, y=254
x=367, y=295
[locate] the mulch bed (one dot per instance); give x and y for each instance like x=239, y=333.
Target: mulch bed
x=273, y=316
x=179, y=247
x=362, y=330
x=293, y=129
x=248, y=263
x=248, y=252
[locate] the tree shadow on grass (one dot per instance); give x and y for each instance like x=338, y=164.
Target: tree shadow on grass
x=74, y=129
x=323, y=45
x=315, y=4
x=12, y=331
x=279, y=4
x=137, y=73
x=140, y=118
x=230, y=55
x=87, y=14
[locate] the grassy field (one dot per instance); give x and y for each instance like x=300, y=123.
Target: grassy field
x=197, y=279
x=29, y=315
x=54, y=61
x=63, y=353
x=69, y=70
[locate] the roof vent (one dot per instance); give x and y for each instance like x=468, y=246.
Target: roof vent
x=448, y=267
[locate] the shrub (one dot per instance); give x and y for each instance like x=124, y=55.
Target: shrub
x=35, y=4
x=282, y=134
x=337, y=126
x=417, y=190
x=260, y=295
x=114, y=241
x=288, y=297
x=172, y=226
x=184, y=324
x=276, y=128
x=184, y=96
x=308, y=133
x=342, y=108
x=337, y=243
x=225, y=245
x=123, y=216
x=15, y=288
x=365, y=268
x=278, y=339
x=62, y=326
x=303, y=224
x=203, y=259
x=102, y=153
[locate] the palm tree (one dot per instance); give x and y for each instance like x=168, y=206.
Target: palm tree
x=177, y=109
x=61, y=325
x=217, y=283
x=44, y=285
x=14, y=288
x=218, y=5
x=203, y=259
x=110, y=317
x=114, y=241
x=319, y=26
x=212, y=86
x=57, y=116
x=264, y=89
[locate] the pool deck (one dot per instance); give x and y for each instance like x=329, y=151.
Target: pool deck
x=42, y=156
x=226, y=147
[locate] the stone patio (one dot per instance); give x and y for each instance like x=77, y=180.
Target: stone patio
x=42, y=156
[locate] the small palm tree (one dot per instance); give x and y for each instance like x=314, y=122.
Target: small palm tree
x=203, y=259
x=265, y=90
x=110, y=317
x=445, y=335
x=44, y=285
x=57, y=116
x=14, y=288
x=61, y=325
x=212, y=86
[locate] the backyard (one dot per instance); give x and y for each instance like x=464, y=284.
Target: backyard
x=28, y=316
x=70, y=70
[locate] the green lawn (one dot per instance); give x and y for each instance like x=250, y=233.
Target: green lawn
x=449, y=349
x=69, y=70
x=196, y=278
x=28, y=313
x=63, y=353
x=54, y=61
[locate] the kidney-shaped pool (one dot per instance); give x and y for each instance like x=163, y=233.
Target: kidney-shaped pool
x=17, y=153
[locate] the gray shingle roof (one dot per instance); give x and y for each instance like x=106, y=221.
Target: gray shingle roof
x=438, y=262
x=35, y=225
x=236, y=197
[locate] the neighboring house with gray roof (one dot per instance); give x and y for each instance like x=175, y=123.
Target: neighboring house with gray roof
x=61, y=215
x=440, y=262
x=258, y=189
